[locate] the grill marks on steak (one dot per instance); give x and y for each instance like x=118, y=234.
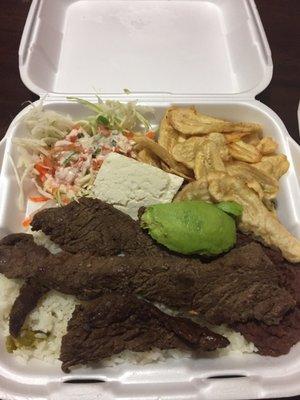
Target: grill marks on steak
x=94, y=227
x=242, y=285
x=30, y=294
x=114, y=323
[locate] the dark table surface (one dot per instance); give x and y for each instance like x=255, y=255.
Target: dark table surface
x=281, y=19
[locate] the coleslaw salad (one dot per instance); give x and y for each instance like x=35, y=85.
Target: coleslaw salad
x=62, y=157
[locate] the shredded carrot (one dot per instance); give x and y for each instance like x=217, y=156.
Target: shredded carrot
x=128, y=134
x=65, y=200
x=44, y=167
x=73, y=139
x=42, y=170
x=38, y=199
x=97, y=164
x=47, y=162
x=26, y=223
x=150, y=135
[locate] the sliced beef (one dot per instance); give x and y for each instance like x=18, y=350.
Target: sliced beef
x=242, y=239
x=292, y=280
x=94, y=227
x=274, y=340
x=20, y=257
x=242, y=285
x=274, y=254
x=30, y=294
x=113, y=323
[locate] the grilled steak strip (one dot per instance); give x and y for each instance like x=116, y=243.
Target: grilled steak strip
x=276, y=340
x=30, y=294
x=94, y=227
x=274, y=254
x=242, y=285
x=114, y=323
x=20, y=257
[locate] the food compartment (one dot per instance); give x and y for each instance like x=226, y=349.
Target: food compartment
x=215, y=33
x=171, y=370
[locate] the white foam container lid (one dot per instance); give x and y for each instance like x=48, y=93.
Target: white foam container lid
x=211, y=53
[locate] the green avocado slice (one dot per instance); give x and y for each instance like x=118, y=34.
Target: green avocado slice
x=190, y=227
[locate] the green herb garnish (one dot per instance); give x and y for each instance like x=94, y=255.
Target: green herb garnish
x=68, y=158
x=102, y=120
x=96, y=152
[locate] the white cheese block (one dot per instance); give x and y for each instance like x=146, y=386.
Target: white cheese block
x=128, y=184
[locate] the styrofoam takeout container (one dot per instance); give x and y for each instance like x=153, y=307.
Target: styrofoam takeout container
x=210, y=53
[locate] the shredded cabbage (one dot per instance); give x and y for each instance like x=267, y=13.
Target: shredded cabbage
x=120, y=116
x=46, y=129
x=47, y=124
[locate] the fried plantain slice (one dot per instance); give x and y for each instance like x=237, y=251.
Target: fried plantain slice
x=189, y=121
x=256, y=218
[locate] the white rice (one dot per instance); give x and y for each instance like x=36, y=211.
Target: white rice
x=53, y=312
x=49, y=317
x=43, y=240
x=238, y=344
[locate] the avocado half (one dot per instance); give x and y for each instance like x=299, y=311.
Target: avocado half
x=190, y=227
